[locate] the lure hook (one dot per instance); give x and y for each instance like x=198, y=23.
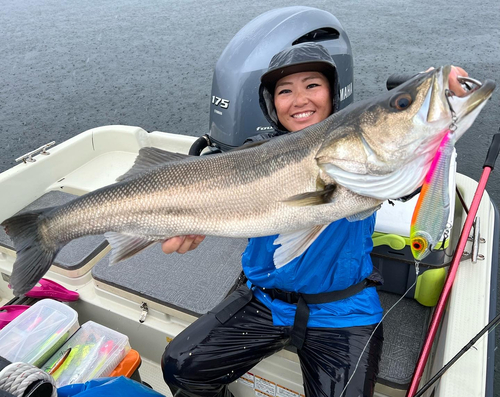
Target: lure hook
x=466, y=80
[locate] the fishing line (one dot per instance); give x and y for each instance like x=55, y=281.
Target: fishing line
x=462, y=201
x=417, y=270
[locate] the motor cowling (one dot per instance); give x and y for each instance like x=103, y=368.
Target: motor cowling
x=235, y=112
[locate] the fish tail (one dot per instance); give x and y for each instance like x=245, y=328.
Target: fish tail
x=34, y=255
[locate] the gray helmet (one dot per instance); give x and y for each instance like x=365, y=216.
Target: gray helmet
x=303, y=57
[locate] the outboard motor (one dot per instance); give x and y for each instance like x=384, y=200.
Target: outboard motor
x=235, y=112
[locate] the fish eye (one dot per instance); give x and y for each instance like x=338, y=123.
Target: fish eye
x=401, y=101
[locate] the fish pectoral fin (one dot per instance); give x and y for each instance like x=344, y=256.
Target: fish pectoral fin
x=124, y=246
x=363, y=214
x=149, y=158
x=294, y=244
x=319, y=197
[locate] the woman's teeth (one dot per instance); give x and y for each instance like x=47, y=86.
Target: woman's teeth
x=302, y=115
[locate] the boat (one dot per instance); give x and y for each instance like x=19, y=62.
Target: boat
x=152, y=297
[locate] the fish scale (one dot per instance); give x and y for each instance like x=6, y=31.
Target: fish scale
x=235, y=192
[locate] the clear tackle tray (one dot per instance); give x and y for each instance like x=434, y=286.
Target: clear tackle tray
x=92, y=352
x=37, y=333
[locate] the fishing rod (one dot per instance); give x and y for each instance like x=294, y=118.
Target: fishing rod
x=488, y=166
x=493, y=323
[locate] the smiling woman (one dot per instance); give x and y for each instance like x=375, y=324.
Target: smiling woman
x=302, y=99
x=300, y=88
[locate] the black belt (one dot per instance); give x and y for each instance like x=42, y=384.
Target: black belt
x=302, y=300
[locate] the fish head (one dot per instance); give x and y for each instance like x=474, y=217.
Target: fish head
x=383, y=147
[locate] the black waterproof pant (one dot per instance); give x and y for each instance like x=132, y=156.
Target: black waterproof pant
x=208, y=355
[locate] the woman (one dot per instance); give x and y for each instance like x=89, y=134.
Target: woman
x=323, y=302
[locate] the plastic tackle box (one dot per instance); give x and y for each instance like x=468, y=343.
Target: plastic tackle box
x=37, y=333
x=92, y=352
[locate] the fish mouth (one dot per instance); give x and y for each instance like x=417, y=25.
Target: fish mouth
x=442, y=103
x=476, y=94
x=466, y=107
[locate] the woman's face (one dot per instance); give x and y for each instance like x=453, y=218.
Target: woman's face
x=302, y=99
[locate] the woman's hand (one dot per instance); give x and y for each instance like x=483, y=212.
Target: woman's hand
x=181, y=244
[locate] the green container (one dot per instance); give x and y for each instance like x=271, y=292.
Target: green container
x=392, y=256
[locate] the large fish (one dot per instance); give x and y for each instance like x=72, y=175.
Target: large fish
x=292, y=185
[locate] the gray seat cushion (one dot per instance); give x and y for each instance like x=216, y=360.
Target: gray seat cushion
x=194, y=282
x=75, y=254
x=405, y=328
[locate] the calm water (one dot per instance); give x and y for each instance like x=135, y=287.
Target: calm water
x=66, y=66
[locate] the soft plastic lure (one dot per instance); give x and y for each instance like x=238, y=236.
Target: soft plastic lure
x=433, y=206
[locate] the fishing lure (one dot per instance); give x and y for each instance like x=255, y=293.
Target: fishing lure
x=52, y=370
x=432, y=210
x=69, y=362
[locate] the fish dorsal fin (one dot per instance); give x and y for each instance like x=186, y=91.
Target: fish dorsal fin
x=149, y=158
x=294, y=244
x=319, y=197
x=125, y=246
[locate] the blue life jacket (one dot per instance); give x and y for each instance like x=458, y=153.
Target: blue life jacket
x=337, y=259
